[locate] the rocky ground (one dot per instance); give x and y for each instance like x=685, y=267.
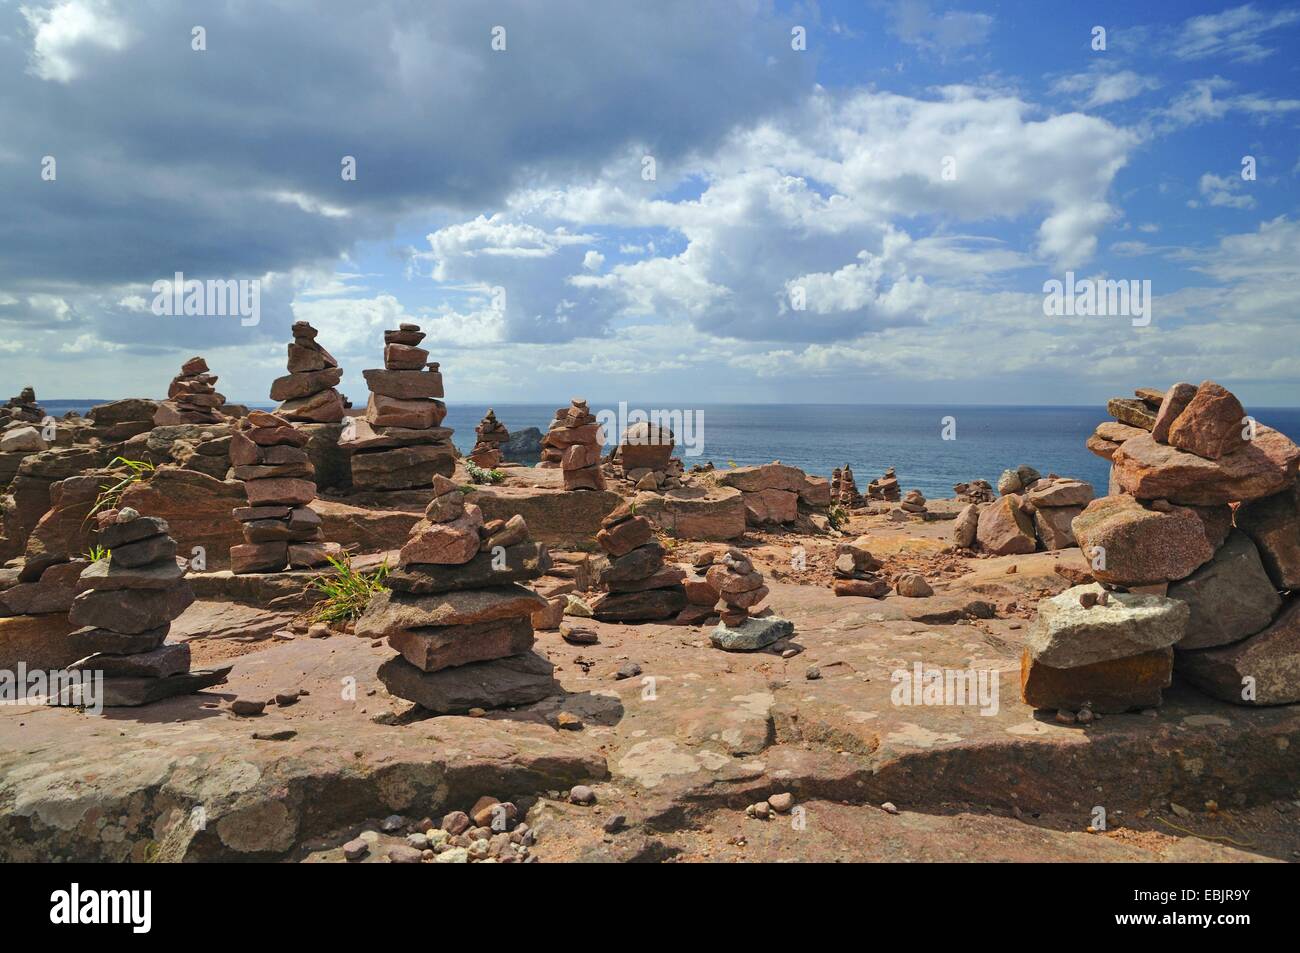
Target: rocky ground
x=678, y=750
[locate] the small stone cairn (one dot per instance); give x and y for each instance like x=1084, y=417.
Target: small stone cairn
x=458, y=614
x=192, y=397
x=280, y=528
x=641, y=588
x=308, y=390
x=740, y=589
x=573, y=443
x=490, y=434
x=126, y=603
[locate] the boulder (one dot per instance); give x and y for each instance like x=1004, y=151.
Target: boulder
x=1112, y=686
x=1261, y=670
x=815, y=491
x=1059, y=492
x=1067, y=634
x=769, y=476
x=1052, y=524
x=499, y=683
x=196, y=507
x=1141, y=546
x=1211, y=425
x=361, y=529
x=713, y=513
x=1135, y=413
x=644, y=606
x=646, y=445
x=751, y=635
x=768, y=506
x=1174, y=403
x=1230, y=597
x=1274, y=525
x=45, y=642
x=1004, y=529
x=523, y=446
x=66, y=529
x=52, y=592
x=1153, y=471
x=965, y=526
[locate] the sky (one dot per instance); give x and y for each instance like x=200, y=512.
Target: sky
x=671, y=202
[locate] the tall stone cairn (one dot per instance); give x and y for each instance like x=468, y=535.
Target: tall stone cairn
x=740, y=588
x=490, y=434
x=399, y=444
x=307, y=391
x=279, y=527
x=573, y=443
x=844, y=487
x=1177, y=585
x=458, y=614
x=641, y=587
x=192, y=397
x=126, y=604
x=645, y=456
x=886, y=488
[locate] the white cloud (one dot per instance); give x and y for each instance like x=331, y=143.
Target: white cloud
x=61, y=31
x=913, y=22
x=1234, y=33
x=593, y=260
x=1225, y=191
x=1101, y=88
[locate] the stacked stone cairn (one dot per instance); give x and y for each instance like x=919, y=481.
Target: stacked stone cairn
x=913, y=504
x=192, y=397
x=844, y=488
x=490, y=434
x=280, y=528
x=23, y=408
x=856, y=572
x=645, y=456
x=126, y=603
x=885, y=489
x=740, y=588
x=641, y=588
x=307, y=391
x=976, y=491
x=573, y=443
x=458, y=614
x=399, y=444
x=1034, y=512
x=1195, y=555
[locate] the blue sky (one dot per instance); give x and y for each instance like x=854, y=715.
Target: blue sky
x=777, y=171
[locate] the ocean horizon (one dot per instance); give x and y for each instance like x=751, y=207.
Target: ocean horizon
x=869, y=437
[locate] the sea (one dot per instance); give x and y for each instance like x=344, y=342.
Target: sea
x=985, y=440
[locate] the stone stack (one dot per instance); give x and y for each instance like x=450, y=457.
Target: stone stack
x=1178, y=588
x=844, y=488
x=23, y=408
x=645, y=456
x=490, y=434
x=885, y=488
x=976, y=491
x=307, y=391
x=399, y=444
x=458, y=614
x=280, y=528
x=856, y=571
x=914, y=503
x=573, y=443
x=1033, y=513
x=192, y=397
x=641, y=588
x=740, y=588
x=127, y=603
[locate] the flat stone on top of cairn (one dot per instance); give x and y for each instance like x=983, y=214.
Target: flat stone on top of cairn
x=279, y=527
x=573, y=443
x=127, y=603
x=740, y=588
x=192, y=397
x=457, y=614
x=307, y=391
x=399, y=443
x=491, y=434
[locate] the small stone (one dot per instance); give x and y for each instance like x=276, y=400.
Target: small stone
x=615, y=824
x=247, y=707
x=888, y=807
x=402, y=854
x=762, y=810
x=581, y=794
x=457, y=822
x=782, y=803
x=418, y=841
x=813, y=673
x=453, y=855
x=628, y=670
x=1064, y=716
x=355, y=849
x=568, y=721
x=1084, y=716
x=393, y=823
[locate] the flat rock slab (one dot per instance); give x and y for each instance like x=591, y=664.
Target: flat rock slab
x=752, y=634
x=1068, y=635
x=554, y=516
x=501, y=683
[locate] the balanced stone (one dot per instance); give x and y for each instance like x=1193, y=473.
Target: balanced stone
x=1067, y=634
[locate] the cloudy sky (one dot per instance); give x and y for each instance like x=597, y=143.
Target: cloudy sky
x=627, y=200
